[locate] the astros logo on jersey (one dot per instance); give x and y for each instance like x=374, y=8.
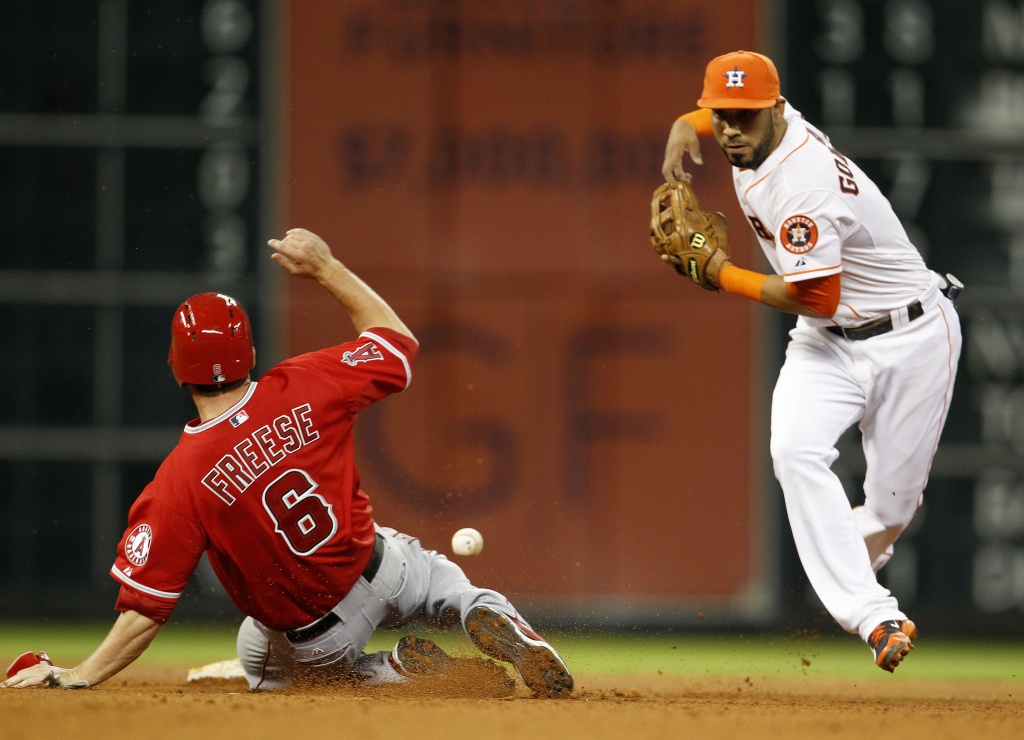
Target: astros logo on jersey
x=136, y=546
x=366, y=353
x=735, y=77
x=799, y=234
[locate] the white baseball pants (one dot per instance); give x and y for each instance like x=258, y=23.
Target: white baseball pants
x=897, y=386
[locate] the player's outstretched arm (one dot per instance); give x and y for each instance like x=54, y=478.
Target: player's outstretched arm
x=684, y=139
x=304, y=254
x=817, y=298
x=131, y=634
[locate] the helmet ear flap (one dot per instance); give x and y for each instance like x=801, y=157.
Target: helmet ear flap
x=211, y=341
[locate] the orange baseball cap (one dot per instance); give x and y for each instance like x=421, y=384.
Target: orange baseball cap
x=740, y=79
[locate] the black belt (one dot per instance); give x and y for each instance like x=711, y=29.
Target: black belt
x=326, y=622
x=865, y=331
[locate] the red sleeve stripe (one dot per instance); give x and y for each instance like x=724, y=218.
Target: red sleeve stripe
x=144, y=589
x=395, y=351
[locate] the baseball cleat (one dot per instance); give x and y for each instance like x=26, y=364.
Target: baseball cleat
x=414, y=656
x=891, y=642
x=504, y=637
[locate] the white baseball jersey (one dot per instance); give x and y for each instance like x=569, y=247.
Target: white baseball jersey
x=816, y=213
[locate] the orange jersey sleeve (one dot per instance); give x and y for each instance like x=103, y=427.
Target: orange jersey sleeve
x=700, y=119
x=819, y=294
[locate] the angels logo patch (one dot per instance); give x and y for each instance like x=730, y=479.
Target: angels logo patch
x=136, y=546
x=798, y=234
x=367, y=353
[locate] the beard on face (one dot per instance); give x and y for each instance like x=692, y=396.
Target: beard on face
x=759, y=153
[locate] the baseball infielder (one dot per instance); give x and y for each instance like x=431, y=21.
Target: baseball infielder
x=876, y=343
x=265, y=483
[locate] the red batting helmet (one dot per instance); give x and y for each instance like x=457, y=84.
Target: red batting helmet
x=210, y=341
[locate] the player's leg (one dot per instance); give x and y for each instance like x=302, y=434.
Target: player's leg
x=439, y=593
x=273, y=659
x=906, y=411
x=265, y=655
x=817, y=397
x=435, y=591
x=878, y=536
x=269, y=662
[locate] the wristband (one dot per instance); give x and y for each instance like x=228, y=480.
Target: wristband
x=742, y=282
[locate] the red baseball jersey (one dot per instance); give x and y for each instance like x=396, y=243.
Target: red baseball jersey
x=269, y=490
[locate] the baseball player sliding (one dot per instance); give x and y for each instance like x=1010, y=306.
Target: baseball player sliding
x=876, y=341
x=264, y=482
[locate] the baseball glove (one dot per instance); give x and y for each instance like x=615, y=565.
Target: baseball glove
x=683, y=234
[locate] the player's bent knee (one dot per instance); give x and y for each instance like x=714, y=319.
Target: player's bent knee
x=892, y=509
x=796, y=457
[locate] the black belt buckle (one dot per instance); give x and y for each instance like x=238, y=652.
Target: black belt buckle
x=330, y=619
x=950, y=286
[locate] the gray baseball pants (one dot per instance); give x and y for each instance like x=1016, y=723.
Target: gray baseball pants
x=414, y=586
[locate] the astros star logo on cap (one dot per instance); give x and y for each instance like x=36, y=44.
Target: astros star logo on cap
x=735, y=77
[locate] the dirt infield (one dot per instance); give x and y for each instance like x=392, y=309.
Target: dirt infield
x=155, y=702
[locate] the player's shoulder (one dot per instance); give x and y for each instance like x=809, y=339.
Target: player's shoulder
x=809, y=161
x=807, y=143
x=170, y=490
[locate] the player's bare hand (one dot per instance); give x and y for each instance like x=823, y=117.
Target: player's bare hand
x=714, y=265
x=682, y=140
x=303, y=253
x=41, y=674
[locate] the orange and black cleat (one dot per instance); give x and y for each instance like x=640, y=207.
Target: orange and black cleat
x=891, y=642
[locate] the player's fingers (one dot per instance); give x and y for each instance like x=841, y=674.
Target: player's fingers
x=290, y=246
x=694, y=151
x=301, y=252
x=681, y=175
x=286, y=263
x=295, y=241
x=23, y=680
x=673, y=161
x=22, y=683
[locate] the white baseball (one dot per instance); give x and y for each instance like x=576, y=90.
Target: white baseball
x=467, y=541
